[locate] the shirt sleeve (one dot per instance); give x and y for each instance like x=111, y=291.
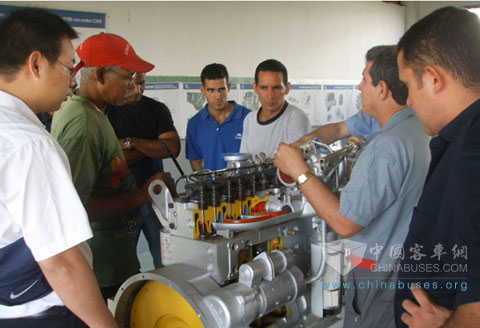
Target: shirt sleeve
x=362, y=125
x=42, y=200
x=374, y=185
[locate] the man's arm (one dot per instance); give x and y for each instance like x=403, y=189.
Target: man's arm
x=197, y=164
x=70, y=276
x=290, y=161
x=151, y=148
x=328, y=133
x=104, y=207
x=426, y=313
x=465, y=315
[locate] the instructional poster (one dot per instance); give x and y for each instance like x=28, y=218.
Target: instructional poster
x=247, y=97
x=337, y=100
x=308, y=97
x=191, y=102
x=356, y=104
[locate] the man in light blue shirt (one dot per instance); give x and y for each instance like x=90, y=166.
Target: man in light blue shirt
x=376, y=205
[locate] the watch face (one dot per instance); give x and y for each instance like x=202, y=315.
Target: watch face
x=302, y=178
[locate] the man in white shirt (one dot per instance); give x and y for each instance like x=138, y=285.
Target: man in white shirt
x=277, y=120
x=45, y=277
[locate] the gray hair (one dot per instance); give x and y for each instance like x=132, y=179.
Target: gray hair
x=88, y=72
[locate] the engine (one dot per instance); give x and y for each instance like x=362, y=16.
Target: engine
x=242, y=248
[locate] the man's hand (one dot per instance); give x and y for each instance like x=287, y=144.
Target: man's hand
x=165, y=177
x=289, y=159
x=122, y=143
x=424, y=314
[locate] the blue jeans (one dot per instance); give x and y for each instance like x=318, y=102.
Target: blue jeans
x=151, y=229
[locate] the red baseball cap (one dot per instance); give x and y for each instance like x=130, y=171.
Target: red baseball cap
x=107, y=49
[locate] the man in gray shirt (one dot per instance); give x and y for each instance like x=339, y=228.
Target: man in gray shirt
x=376, y=205
x=277, y=120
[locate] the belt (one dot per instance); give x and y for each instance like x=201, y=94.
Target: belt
x=53, y=311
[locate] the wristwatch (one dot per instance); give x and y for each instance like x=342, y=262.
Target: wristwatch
x=128, y=143
x=302, y=178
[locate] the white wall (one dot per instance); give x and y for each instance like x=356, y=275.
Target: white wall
x=315, y=40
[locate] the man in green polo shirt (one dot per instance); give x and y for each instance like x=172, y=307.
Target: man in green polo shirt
x=100, y=172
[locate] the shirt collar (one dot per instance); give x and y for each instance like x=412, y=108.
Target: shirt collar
x=17, y=104
x=75, y=96
x=398, y=117
x=204, y=114
x=459, y=123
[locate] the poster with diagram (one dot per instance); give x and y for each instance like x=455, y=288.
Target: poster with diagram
x=191, y=102
x=356, y=101
x=338, y=99
x=247, y=97
x=308, y=97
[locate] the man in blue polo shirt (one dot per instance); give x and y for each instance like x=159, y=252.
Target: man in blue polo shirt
x=218, y=127
x=439, y=281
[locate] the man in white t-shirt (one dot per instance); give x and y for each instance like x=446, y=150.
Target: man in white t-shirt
x=277, y=120
x=45, y=277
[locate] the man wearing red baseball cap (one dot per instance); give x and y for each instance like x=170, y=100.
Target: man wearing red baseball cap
x=100, y=172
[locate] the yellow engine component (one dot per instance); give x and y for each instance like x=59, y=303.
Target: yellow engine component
x=160, y=306
x=224, y=209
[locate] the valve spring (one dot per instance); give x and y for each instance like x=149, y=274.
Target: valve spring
x=241, y=190
x=253, y=185
x=263, y=183
x=215, y=196
x=202, y=201
x=229, y=191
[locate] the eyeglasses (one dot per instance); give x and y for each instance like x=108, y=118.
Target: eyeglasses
x=129, y=80
x=71, y=70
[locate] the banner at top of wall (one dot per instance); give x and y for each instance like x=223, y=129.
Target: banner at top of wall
x=74, y=18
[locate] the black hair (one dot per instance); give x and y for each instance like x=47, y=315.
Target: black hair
x=26, y=30
x=272, y=65
x=213, y=72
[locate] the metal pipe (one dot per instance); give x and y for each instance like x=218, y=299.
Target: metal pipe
x=321, y=269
